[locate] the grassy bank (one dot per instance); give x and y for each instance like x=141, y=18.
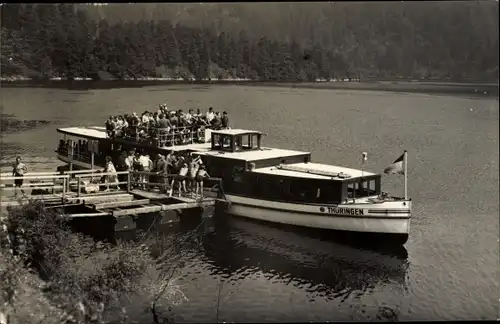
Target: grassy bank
x=50, y=274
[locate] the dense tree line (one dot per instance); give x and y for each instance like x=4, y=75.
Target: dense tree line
x=296, y=42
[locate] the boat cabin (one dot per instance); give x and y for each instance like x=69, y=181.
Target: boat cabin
x=253, y=171
x=81, y=145
x=87, y=147
x=235, y=140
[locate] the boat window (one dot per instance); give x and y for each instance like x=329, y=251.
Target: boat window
x=238, y=174
x=254, y=141
x=363, y=189
x=216, y=142
x=302, y=191
x=328, y=192
x=372, y=187
x=360, y=189
x=256, y=185
x=245, y=142
x=350, y=190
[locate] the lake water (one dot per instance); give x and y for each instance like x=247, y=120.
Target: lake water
x=451, y=270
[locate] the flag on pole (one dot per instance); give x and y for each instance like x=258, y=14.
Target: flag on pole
x=365, y=157
x=396, y=167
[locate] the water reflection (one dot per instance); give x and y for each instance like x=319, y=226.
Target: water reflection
x=327, y=267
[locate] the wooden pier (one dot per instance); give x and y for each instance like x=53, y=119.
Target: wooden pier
x=80, y=196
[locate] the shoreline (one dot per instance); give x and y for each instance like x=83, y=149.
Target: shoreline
x=475, y=88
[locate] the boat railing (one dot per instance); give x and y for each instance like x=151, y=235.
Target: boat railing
x=165, y=137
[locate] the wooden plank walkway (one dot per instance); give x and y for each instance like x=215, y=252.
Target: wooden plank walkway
x=123, y=205
x=153, y=202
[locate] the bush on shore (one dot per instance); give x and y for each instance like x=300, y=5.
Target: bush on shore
x=49, y=273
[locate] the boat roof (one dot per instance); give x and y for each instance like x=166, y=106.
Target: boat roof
x=235, y=131
x=94, y=132
x=314, y=171
x=255, y=155
x=198, y=147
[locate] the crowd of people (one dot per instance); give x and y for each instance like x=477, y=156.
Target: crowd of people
x=166, y=127
x=179, y=171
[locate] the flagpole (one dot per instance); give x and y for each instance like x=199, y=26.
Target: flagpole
x=406, y=173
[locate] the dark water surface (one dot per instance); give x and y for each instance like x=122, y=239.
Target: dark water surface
x=449, y=268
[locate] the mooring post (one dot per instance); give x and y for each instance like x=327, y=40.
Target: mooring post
x=64, y=190
x=128, y=181
x=78, y=186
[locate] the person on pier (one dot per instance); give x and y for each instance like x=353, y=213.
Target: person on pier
x=122, y=166
x=180, y=179
x=147, y=166
x=19, y=170
x=194, y=165
x=137, y=167
x=162, y=173
x=112, y=177
x=200, y=176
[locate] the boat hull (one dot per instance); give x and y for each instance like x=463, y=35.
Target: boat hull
x=391, y=217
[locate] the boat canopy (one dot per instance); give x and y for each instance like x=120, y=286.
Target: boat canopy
x=88, y=132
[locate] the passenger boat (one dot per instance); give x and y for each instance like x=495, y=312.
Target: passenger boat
x=278, y=185
x=284, y=186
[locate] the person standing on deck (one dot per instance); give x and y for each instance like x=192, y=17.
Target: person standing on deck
x=109, y=126
x=111, y=178
x=163, y=129
x=225, y=120
x=189, y=117
x=210, y=114
x=216, y=121
x=19, y=169
x=145, y=117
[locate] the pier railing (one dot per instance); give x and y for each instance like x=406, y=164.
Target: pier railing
x=110, y=178
x=69, y=181
x=45, y=181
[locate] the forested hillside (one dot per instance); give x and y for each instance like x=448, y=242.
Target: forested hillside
x=262, y=41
